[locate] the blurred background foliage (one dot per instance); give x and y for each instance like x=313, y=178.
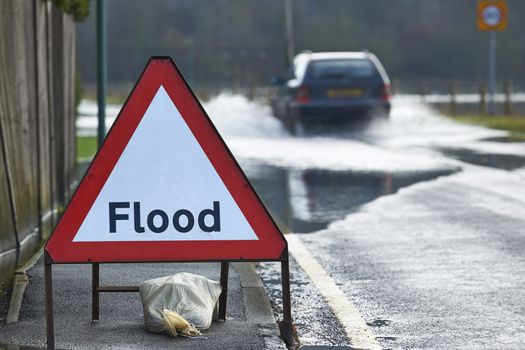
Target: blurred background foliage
x=235, y=43
x=78, y=8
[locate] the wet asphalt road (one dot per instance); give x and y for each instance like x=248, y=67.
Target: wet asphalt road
x=435, y=266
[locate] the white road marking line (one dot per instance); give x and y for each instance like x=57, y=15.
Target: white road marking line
x=360, y=335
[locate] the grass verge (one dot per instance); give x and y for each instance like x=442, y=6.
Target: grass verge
x=514, y=124
x=86, y=147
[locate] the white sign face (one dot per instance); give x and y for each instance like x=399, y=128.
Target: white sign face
x=164, y=188
x=491, y=16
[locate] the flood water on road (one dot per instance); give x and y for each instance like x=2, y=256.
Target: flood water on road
x=304, y=201
x=493, y=160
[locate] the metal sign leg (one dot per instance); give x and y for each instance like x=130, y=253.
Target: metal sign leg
x=224, y=294
x=50, y=327
x=95, y=295
x=286, y=325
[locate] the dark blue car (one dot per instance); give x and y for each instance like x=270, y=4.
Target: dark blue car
x=327, y=87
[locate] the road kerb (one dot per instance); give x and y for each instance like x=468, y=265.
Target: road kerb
x=256, y=301
x=257, y=306
x=21, y=280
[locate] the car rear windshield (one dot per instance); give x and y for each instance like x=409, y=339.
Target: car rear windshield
x=342, y=68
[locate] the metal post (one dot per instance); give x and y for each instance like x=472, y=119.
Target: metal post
x=101, y=68
x=508, y=97
x=287, y=306
x=95, y=295
x=101, y=99
x=50, y=327
x=483, y=99
x=289, y=35
x=492, y=71
x=286, y=325
x=453, y=93
x=224, y=294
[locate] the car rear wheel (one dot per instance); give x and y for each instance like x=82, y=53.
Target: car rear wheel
x=294, y=123
x=378, y=113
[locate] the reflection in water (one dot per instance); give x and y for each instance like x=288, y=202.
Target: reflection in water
x=499, y=161
x=304, y=201
x=504, y=139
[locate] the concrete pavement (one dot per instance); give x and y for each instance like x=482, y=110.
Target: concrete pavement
x=250, y=323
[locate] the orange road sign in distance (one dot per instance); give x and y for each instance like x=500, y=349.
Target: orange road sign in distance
x=492, y=15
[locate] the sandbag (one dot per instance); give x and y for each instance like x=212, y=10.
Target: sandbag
x=192, y=297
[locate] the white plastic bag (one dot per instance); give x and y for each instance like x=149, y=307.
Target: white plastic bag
x=191, y=296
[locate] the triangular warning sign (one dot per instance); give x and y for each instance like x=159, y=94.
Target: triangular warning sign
x=164, y=187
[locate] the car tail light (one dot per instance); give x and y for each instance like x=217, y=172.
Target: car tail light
x=384, y=93
x=303, y=94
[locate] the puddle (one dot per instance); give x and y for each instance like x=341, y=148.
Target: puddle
x=304, y=201
x=504, y=139
x=386, y=338
x=499, y=161
x=379, y=323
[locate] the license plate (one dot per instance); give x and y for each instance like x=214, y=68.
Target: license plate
x=347, y=92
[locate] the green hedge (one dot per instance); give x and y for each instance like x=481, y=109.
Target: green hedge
x=78, y=8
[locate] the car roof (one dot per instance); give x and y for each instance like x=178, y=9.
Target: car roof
x=307, y=56
x=303, y=58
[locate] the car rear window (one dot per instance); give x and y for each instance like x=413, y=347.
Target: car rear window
x=330, y=69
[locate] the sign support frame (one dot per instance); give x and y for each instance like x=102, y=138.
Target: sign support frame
x=285, y=325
